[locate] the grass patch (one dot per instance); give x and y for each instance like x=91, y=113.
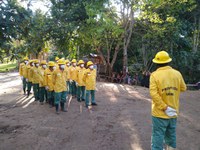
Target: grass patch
x=6, y=67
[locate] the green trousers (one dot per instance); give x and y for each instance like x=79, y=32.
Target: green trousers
x=24, y=84
x=50, y=97
x=29, y=88
x=36, y=91
x=163, y=131
x=43, y=94
x=73, y=88
x=69, y=87
x=80, y=93
x=60, y=97
x=88, y=93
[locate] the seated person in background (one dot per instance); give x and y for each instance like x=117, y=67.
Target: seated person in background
x=114, y=78
x=123, y=77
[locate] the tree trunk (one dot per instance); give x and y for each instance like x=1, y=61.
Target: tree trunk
x=127, y=36
x=144, y=53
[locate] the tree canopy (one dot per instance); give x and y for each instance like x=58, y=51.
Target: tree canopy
x=129, y=31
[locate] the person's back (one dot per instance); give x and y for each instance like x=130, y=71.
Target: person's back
x=168, y=82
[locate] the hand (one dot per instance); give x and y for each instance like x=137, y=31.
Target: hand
x=70, y=81
x=170, y=112
x=26, y=80
x=46, y=87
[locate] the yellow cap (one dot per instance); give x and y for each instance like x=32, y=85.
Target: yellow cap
x=73, y=60
x=67, y=61
x=57, y=58
x=81, y=62
x=43, y=62
x=36, y=61
x=89, y=63
x=61, y=62
x=31, y=61
x=51, y=64
x=162, y=57
x=26, y=58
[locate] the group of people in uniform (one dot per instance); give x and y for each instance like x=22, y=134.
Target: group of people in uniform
x=54, y=82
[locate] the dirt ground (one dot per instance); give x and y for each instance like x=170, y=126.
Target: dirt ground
x=121, y=121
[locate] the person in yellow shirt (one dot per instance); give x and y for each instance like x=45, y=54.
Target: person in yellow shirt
x=80, y=82
x=67, y=62
x=43, y=92
x=60, y=88
x=49, y=83
x=166, y=84
x=29, y=73
x=73, y=77
x=90, y=84
x=36, y=79
x=23, y=74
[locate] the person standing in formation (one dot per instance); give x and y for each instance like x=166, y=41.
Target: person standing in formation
x=29, y=76
x=90, y=84
x=23, y=73
x=36, y=79
x=67, y=68
x=166, y=84
x=49, y=83
x=60, y=88
x=43, y=92
x=73, y=77
x=80, y=82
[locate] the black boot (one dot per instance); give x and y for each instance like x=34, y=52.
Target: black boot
x=63, y=107
x=28, y=93
x=24, y=92
x=57, y=107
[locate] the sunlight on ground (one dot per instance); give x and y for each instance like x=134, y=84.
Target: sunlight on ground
x=118, y=88
x=135, y=144
x=31, y=100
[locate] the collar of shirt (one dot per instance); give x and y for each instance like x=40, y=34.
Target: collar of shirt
x=164, y=68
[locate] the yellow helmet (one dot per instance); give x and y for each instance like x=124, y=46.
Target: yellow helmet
x=61, y=62
x=43, y=62
x=57, y=58
x=51, y=63
x=73, y=60
x=89, y=63
x=26, y=58
x=162, y=57
x=67, y=61
x=36, y=61
x=31, y=61
x=81, y=62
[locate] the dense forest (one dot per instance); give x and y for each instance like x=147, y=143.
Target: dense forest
x=124, y=33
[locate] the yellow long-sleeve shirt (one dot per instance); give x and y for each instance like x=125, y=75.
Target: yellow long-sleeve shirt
x=73, y=73
x=36, y=78
x=90, y=79
x=80, y=76
x=166, y=84
x=20, y=68
x=48, y=79
x=59, y=80
x=29, y=73
x=42, y=81
x=67, y=73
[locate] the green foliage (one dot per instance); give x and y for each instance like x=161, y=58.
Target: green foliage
x=74, y=28
x=8, y=66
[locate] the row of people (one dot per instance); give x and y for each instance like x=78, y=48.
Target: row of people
x=54, y=81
